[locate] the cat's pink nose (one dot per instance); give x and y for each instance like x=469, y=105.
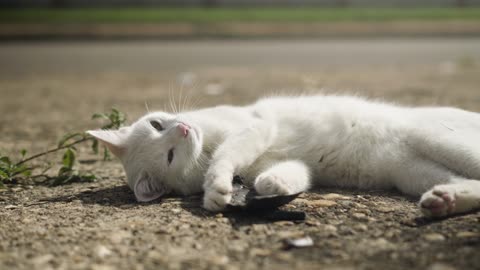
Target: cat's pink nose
x=183, y=128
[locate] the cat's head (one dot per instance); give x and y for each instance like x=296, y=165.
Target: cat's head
x=157, y=152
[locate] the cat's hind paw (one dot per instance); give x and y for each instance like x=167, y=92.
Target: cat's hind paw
x=270, y=184
x=438, y=202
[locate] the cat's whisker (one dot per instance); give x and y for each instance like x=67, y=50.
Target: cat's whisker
x=146, y=107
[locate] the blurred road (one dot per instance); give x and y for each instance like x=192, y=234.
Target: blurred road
x=41, y=58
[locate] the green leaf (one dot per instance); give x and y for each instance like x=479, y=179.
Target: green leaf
x=4, y=175
x=5, y=160
x=68, y=158
x=100, y=115
x=95, y=146
x=23, y=152
x=106, y=154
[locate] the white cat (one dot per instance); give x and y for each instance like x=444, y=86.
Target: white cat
x=283, y=145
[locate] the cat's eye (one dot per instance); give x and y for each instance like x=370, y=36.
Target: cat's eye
x=156, y=125
x=170, y=156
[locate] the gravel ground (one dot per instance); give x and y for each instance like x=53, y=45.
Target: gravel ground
x=49, y=89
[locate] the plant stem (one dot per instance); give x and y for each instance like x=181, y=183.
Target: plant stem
x=53, y=150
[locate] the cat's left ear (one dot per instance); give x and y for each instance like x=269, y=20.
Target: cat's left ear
x=146, y=190
x=115, y=140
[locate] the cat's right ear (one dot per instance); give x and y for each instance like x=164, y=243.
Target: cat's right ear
x=146, y=189
x=115, y=140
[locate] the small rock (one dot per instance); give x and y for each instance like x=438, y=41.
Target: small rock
x=290, y=234
x=467, y=234
x=118, y=236
x=330, y=228
x=42, y=259
x=261, y=252
x=284, y=256
x=176, y=211
x=361, y=227
x=299, y=242
x=102, y=251
x=434, y=237
x=360, y=216
x=284, y=223
x=11, y=206
x=219, y=260
x=312, y=222
x=321, y=203
x=334, y=196
x=440, y=266
x=385, y=209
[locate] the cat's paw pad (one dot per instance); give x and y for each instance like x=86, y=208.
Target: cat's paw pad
x=217, y=197
x=438, y=202
x=270, y=184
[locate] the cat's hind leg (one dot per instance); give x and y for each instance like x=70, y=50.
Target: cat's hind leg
x=287, y=177
x=458, y=197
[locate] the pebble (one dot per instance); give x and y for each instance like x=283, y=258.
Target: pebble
x=284, y=223
x=440, y=266
x=261, y=252
x=335, y=196
x=299, y=242
x=360, y=216
x=11, y=206
x=42, y=259
x=102, y=251
x=118, y=236
x=467, y=234
x=290, y=234
x=321, y=203
x=434, y=237
x=361, y=227
x=385, y=209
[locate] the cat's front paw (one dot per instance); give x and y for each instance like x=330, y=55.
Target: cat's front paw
x=217, y=196
x=438, y=202
x=271, y=184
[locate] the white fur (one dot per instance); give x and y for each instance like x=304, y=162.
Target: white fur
x=283, y=145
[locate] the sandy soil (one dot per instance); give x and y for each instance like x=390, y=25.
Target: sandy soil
x=50, y=89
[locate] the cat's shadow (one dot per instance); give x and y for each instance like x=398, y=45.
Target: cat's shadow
x=122, y=197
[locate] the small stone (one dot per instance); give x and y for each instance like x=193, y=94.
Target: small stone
x=118, y=236
x=42, y=259
x=385, y=209
x=312, y=222
x=335, y=196
x=260, y=252
x=102, y=267
x=467, y=234
x=219, y=260
x=290, y=234
x=321, y=203
x=330, y=228
x=440, y=266
x=361, y=227
x=102, y=251
x=11, y=206
x=299, y=242
x=176, y=211
x=284, y=223
x=434, y=237
x=284, y=256
x=360, y=216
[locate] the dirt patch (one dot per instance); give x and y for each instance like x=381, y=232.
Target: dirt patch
x=99, y=225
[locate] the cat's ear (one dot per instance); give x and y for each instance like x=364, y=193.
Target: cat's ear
x=115, y=140
x=145, y=190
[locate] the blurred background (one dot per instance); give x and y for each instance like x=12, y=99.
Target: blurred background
x=62, y=60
